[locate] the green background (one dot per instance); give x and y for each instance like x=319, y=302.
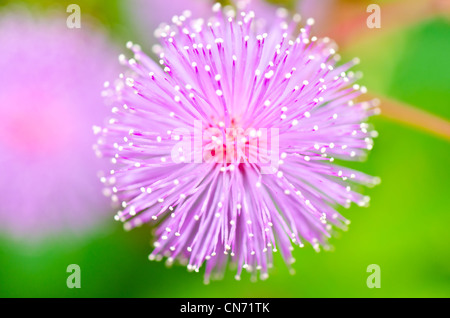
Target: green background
x=405, y=229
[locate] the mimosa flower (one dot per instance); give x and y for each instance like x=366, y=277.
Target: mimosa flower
x=228, y=146
x=49, y=99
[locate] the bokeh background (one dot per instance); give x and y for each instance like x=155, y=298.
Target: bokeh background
x=405, y=230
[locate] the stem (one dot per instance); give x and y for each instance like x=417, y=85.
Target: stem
x=415, y=117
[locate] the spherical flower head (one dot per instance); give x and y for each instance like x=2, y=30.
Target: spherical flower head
x=49, y=99
x=228, y=146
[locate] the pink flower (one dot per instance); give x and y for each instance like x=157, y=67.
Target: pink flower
x=228, y=147
x=50, y=81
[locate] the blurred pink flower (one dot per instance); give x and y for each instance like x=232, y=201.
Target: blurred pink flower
x=50, y=81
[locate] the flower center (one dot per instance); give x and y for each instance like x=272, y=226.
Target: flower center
x=234, y=144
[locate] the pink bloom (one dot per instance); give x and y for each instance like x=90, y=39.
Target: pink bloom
x=50, y=81
x=250, y=93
